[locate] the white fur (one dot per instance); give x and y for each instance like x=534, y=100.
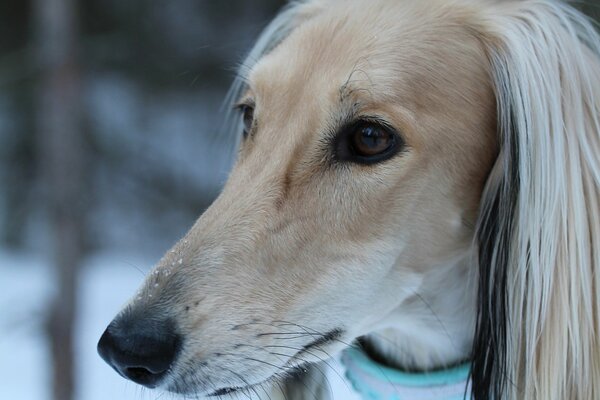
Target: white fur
x=548, y=57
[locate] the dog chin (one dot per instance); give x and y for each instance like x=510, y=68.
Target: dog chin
x=203, y=388
x=224, y=392
x=188, y=387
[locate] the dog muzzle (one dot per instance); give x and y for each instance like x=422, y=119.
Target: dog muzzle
x=375, y=381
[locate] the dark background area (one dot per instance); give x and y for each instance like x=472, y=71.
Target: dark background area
x=111, y=142
x=152, y=78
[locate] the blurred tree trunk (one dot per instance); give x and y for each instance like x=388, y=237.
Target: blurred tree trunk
x=62, y=161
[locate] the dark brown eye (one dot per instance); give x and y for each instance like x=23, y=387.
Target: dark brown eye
x=247, y=118
x=371, y=140
x=367, y=142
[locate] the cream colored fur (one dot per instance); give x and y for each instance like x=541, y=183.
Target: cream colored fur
x=549, y=55
x=296, y=246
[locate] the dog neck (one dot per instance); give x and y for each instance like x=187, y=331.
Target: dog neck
x=433, y=329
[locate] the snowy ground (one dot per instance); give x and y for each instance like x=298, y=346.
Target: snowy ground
x=107, y=282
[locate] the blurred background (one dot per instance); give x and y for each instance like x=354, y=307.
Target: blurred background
x=110, y=114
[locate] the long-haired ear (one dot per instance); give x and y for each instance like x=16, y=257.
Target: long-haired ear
x=538, y=327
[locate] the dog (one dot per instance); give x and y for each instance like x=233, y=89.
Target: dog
x=422, y=175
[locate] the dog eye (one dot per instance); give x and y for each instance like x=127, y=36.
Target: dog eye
x=367, y=142
x=247, y=118
x=371, y=140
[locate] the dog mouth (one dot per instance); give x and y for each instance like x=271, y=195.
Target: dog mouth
x=226, y=391
x=249, y=388
x=322, y=340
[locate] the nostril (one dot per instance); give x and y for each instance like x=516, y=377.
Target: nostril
x=140, y=351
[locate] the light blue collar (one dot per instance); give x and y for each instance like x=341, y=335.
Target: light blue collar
x=375, y=381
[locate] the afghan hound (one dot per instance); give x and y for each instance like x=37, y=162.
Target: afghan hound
x=417, y=181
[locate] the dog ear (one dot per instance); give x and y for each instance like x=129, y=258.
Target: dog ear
x=538, y=232
x=494, y=242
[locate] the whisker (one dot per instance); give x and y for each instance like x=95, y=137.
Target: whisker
x=324, y=361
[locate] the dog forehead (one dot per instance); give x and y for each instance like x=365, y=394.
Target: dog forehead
x=323, y=55
x=384, y=53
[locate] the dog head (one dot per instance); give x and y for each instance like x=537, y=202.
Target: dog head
x=368, y=132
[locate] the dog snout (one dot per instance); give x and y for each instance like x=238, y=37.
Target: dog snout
x=140, y=350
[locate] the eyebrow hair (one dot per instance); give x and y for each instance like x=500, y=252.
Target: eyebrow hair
x=348, y=95
x=348, y=88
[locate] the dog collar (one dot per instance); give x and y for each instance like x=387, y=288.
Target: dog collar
x=375, y=381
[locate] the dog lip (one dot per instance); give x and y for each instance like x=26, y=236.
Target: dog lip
x=224, y=391
x=326, y=338
x=228, y=390
x=323, y=339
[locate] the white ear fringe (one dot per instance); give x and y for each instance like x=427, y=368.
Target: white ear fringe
x=546, y=58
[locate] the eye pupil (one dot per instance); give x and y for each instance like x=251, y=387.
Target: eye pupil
x=367, y=141
x=371, y=140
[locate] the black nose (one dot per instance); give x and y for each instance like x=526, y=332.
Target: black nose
x=140, y=350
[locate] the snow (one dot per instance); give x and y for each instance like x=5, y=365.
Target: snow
x=25, y=288
x=107, y=281
x=22, y=352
